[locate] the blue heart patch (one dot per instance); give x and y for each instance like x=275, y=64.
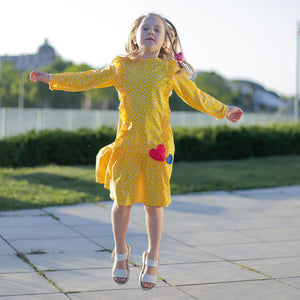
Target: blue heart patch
x=169, y=159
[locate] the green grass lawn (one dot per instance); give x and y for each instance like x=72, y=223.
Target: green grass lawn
x=26, y=188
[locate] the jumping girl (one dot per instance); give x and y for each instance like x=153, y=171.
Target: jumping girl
x=137, y=166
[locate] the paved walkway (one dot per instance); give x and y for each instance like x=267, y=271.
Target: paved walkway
x=218, y=245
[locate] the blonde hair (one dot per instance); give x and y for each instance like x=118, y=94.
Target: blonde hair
x=167, y=52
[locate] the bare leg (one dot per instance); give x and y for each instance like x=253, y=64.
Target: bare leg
x=154, y=224
x=120, y=220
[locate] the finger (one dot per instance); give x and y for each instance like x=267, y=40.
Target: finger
x=33, y=75
x=33, y=78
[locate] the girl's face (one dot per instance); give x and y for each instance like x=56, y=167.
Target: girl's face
x=151, y=36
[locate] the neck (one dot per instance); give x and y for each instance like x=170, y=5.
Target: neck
x=146, y=55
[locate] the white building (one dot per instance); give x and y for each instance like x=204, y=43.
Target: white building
x=45, y=56
x=260, y=96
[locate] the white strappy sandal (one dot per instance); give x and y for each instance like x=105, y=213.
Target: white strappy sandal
x=147, y=278
x=121, y=273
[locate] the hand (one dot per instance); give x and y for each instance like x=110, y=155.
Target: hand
x=234, y=114
x=39, y=76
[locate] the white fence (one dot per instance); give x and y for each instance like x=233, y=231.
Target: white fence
x=14, y=121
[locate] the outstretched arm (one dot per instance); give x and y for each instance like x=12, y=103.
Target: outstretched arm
x=36, y=76
x=80, y=81
x=196, y=98
x=193, y=96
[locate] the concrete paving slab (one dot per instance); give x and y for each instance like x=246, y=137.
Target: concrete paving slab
x=24, y=221
x=138, y=243
x=107, y=205
x=105, y=241
x=56, y=296
x=137, y=213
x=71, y=260
x=249, y=290
x=199, y=208
x=204, y=273
x=53, y=245
x=173, y=252
x=99, y=229
x=276, y=193
x=248, y=251
x=37, y=232
x=203, y=197
x=5, y=248
x=93, y=279
x=294, y=282
x=104, y=229
x=82, y=214
x=161, y=293
x=23, y=213
x=241, y=222
x=275, y=267
x=212, y=238
x=290, y=203
x=276, y=210
x=275, y=234
x=283, y=221
x=24, y=283
x=258, y=229
x=177, y=223
x=293, y=245
x=217, y=203
x=13, y=264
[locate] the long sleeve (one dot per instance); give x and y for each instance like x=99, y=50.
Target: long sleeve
x=194, y=97
x=81, y=81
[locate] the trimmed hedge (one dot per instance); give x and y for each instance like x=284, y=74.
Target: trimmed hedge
x=218, y=143
x=54, y=147
x=191, y=144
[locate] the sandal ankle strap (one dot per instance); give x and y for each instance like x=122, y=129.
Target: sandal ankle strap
x=120, y=256
x=151, y=262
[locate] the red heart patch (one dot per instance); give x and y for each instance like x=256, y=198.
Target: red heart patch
x=159, y=153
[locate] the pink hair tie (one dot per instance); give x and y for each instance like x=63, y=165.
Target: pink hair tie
x=179, y=56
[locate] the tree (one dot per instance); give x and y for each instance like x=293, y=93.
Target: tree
x=177, y=104
x=9, y=85
x=216, y=86
x=104, y=98
x=58, y=99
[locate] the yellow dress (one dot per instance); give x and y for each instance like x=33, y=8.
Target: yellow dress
x=137, y=167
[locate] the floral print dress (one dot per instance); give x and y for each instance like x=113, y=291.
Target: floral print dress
x=137, y=166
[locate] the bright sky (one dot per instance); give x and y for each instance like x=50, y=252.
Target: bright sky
x=239, y=39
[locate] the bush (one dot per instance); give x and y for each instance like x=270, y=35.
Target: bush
x=235, y=143
x=191, y=144
x=54, y=147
